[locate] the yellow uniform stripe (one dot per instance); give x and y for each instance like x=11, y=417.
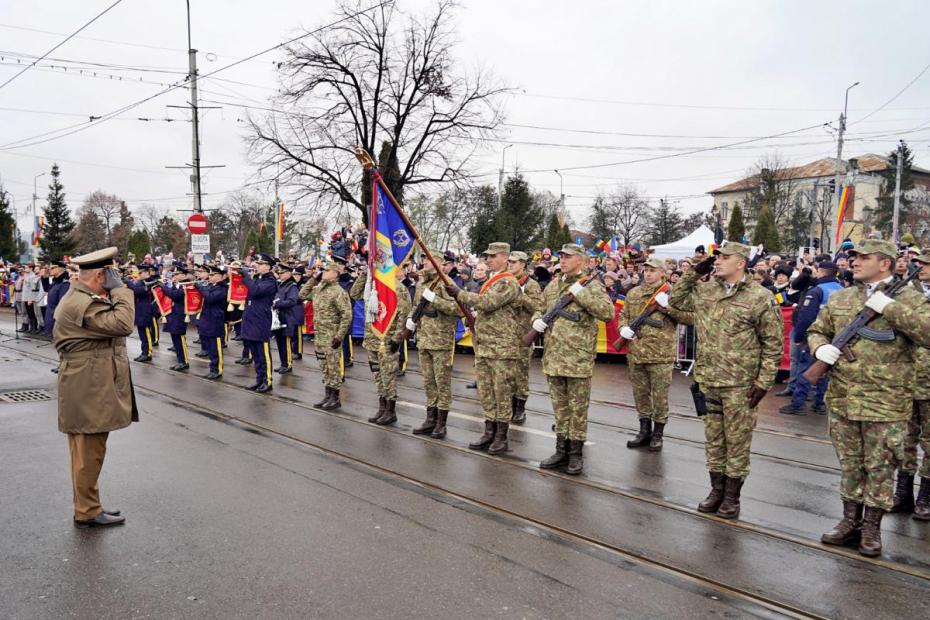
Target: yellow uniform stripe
x=267, y=350
x=290, y=354
x=219, y=351
x=184, y=347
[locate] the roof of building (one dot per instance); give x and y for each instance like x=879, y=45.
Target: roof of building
x=825, y=167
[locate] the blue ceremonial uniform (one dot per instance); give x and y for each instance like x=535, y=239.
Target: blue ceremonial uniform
x=59, y=287
x=145, y=313
x=814, y=299
x=175, y=324
x=212, y=325
x=285, y=304
x=256, y=322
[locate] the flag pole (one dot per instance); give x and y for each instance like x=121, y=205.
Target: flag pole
x=368, y=164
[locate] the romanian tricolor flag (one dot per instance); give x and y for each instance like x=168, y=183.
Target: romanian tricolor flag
x=841, y=212
x=394, y=243
x=613, y=244
x=279, y=222
x=38, y=229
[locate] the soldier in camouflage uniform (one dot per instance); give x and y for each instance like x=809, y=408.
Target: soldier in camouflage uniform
x=918, y=428
x=530, y=303
x=651, y=353
x=568, y=357
x=740, y=336
x=435, y=343
x=332, y=318
x=382, y=350
x=870, y=399
x=498, y=346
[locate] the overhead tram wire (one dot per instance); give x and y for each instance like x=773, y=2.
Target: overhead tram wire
x=67, y=131
x=898, y=94
x=63, y=41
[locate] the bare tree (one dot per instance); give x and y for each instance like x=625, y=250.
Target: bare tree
x=623, y=212
x=775, y=188
x=386, y=82
x=106, y=207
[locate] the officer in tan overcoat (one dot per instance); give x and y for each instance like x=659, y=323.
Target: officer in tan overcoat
x=95, y=393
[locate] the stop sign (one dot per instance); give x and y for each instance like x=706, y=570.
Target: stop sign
x=197, y=224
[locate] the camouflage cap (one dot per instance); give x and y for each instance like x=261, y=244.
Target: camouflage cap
x=521, y=256
x=731, y=247
x=572, y=249
x=874, y=246
x=497, y=247
x=655, y=262
x=923, y=258
x=331, y=265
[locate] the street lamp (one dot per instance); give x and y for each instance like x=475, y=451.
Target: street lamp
x=35, y=227
x=561, y=198
x=839, y=159
x=500, y=178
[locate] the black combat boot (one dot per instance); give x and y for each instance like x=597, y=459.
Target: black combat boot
x=712, y=502
x=390, y=415
x=644, y=436
x=575, y=457
x=560, y=457
x=849, y=529
x=500, y=443
x=325, y=398
x=729, y=509
x=655, y=443
x=439, y=431
x=382, y=403
x=870, y=544
x=904, y=493
x=922, y=506
x=519, y=410
x=485, y=440
x=427, y=427
x=333, y=402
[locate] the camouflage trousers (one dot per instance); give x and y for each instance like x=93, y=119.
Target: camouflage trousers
x=384, y=364
x=651, y=383
x=497, y=384
x=570, y=397
x=869, y=452
x=918, y=432
x=728, y=428
x=436, y=366
x=523, y=378
x=330, y=364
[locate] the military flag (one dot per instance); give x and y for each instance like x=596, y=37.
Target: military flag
x=279, y=222
x=841, y=212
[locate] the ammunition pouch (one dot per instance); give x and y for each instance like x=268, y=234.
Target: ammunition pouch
x=876, y=335
x=569, y=315
x=320, y=355
x=704, y=405
x=374, y=365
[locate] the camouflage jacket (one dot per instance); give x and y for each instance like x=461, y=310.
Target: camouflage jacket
x=530, y=301
x=497, y=319
x=879, y=385
x=740, y=333
x=373, y=341
x=656, y=340
x=922, y=386
x=332, y=310
x=571, y=339
x=437, y=325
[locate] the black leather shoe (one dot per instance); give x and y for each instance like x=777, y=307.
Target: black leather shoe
x=112, y=513
x=171, y=349
x=472, y=386
x=254, y=386
x=298, y=356
x=180, y=367
x=101, y=520
x=784, y=392
x=144, y=358
x=792, y=410
x=264, y=387
x=201, y=354
x=212, y=376
x=282, y=370
x=244, y=361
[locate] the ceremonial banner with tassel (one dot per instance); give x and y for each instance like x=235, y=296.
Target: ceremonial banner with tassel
x=163, y=302
x=238, y=292
x=193, y=302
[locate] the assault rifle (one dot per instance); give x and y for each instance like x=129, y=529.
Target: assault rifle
x=850, y=334
x=419, y=310
x=651, y=307
x=563, y=301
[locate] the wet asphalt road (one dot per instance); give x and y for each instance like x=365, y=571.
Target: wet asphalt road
x=225, y=519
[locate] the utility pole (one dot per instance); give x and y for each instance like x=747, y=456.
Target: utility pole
x=500, y=178
x=561, y=199
x=897, y=194
x=35, y=221
x=838, y=167
x=277, y=207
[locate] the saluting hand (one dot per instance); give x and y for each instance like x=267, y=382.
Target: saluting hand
x=705, y=266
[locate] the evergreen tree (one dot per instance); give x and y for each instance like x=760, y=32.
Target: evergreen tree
x=122, y=231
x=138, y=244
x=665, y=224
x=766, y=231
x=169, y=237
x=602, y=221
x=484, y=227
x=553, y=233
x=520, y=219
x=736, y=229
x=8, y=249
x=58, y=239
x=91, y=231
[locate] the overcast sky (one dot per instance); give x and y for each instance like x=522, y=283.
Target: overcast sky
x=705, y=73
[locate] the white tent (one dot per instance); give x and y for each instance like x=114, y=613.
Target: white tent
x=684, y=248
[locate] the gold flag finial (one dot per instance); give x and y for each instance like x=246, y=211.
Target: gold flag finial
x=364, y=158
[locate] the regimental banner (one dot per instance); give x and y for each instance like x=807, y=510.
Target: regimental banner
x=394, y=243
x=163, y=302
x=238, y=291
x=193, y=302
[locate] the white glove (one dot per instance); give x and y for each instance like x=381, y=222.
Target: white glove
x=828, y=354
x=627, y=333
x=662, y=299
x=878, y=301
x=576, y=288
x=539, y=325
x=429, y=295
x=410, y=325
